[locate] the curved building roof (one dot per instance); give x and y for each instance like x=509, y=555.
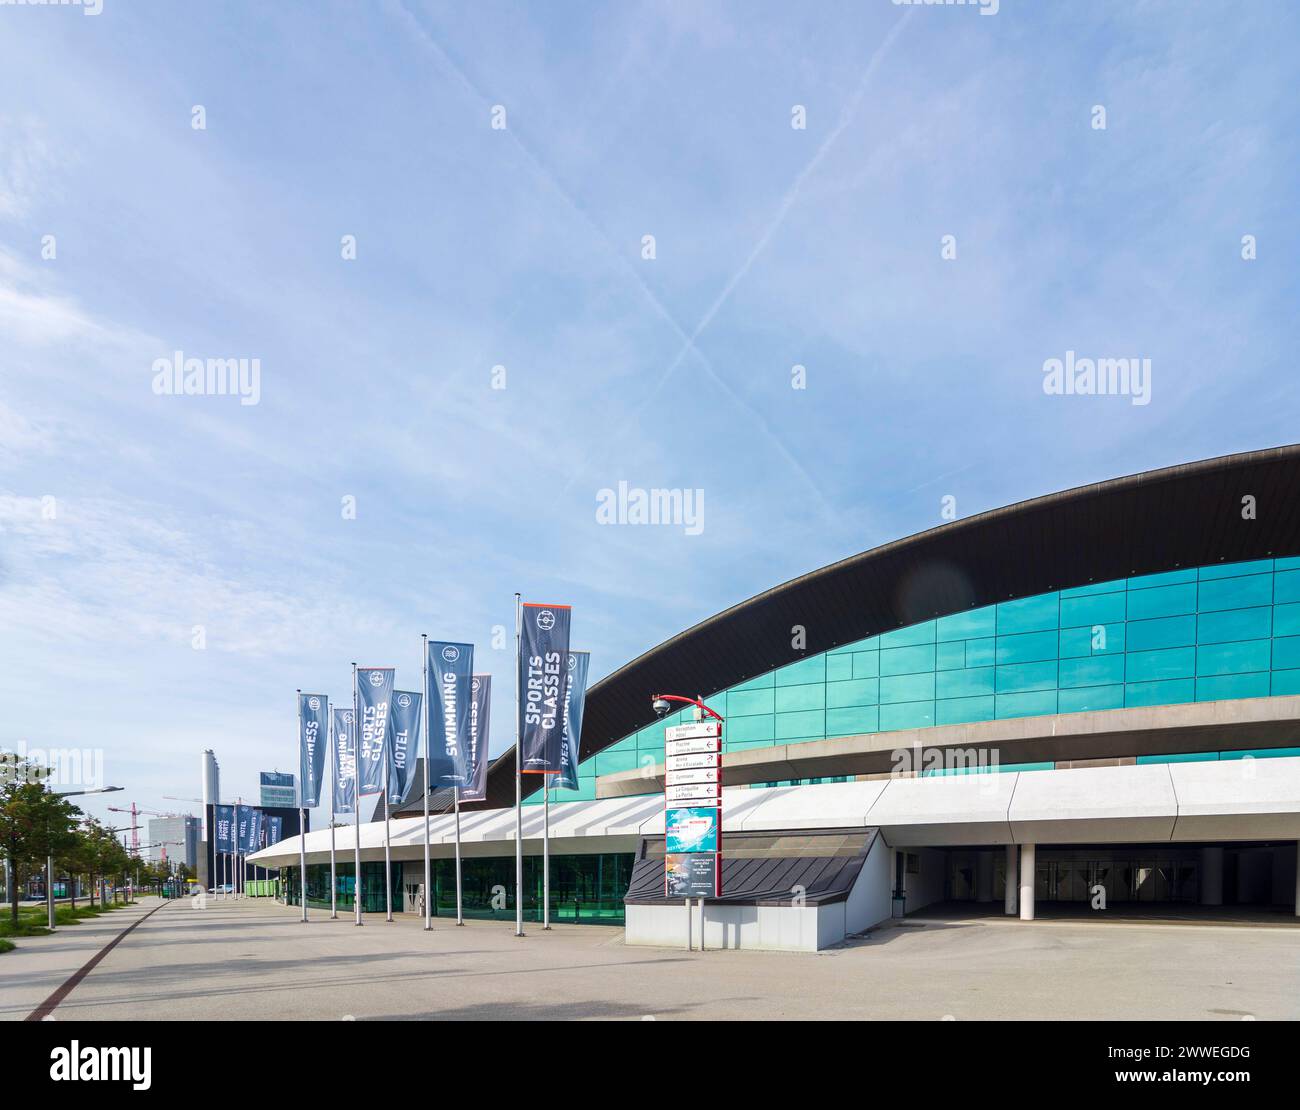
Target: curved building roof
x=1159, y=520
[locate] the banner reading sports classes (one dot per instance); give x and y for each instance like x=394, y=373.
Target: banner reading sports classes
x=313, y=718
x=374, y=697
x=224, y=818
x=575, y=696
x=451, y=669
x=405, y=732
x=543, y=663
x=480, y=712
x=345, y=760
x=274, y=830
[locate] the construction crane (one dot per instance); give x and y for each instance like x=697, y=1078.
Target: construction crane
x=135, y=812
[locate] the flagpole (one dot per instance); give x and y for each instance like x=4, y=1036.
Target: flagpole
x=302, y=818
x=460, y=919
x=388, y=864
x=519, y=797
x=334, y=756
x=546, y=853
x=428, y=728
x=356, y=801
x=234, y=856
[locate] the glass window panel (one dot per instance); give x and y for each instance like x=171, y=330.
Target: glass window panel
x=610, y=763
x=1261, y=753
x=1029, y=614
x=958, y=711
x=866, y=664
x=1236, y=593
x=1291, y=563
x=951, y=656
x=1117, y=586
x=906, y=715
x=1171, y=692
x=1090, y=698
x=910, y=636
x=795, y=726
x=1032, y=704
x=1235, y=570
x=860, y=691
x=743, y=729
x=966, y=683
x=1286, y=586
x=1286, y=620
x=1238, y=658
x=839, y=667
x=1099, y=609
x=790, y=699
x=1168, y=578
x=981, y=653
x=812, y=669
x=1235, y=624
x=1219, y=687
x=744, y=703
x=850, y=722
x=761, y=682
x=906, y=660
x=1028, y=647
x=906, y=687
x=1027, y=676
x=1286, y=682
x=1079, y=641
x=1161, y=601
x=1163, y=632
x=1286, y=653
x=964, y=626
x=1145, y=666
x=1097, y=670
x=1180, y=757
x=747, y=745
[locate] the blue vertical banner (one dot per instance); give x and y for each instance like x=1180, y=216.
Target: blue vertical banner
x=480, y=713
x=224, y=818
x=543, y=665
x=374, y=699
x=575, y=698
x=345, y=760
x=250, y=826
x=241, y=833
x=274, y=830
x=313, y=732
x=451, y=673
x=404, y=735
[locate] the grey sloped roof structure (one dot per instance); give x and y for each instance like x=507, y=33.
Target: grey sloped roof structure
x=1158, y=520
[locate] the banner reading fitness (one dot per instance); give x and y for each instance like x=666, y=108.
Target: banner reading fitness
x=475, y=788
x=374, y=697
x=543, y=663
x=345, y=761
x=451, y=669
x=313, y=731
x=224, y=818
x=575, y=697
x=402, y=741
x=274, y=830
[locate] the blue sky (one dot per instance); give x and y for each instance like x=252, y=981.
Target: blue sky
x=522, y=247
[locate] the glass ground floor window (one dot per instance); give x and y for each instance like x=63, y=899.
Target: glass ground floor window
x=586, y=889
x=373, y=898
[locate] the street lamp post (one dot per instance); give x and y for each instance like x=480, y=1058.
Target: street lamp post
x=49, y=859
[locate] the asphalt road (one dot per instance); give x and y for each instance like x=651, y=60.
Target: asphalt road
x=255, y=959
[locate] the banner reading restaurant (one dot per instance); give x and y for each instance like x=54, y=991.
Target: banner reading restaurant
x=575, y=698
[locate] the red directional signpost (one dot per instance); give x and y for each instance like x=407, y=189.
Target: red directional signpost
x=693, y=805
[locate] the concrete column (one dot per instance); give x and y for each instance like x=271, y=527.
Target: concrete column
x=1011, y=879
x=984, y=877
x=1212, y=876
x=1026, y=882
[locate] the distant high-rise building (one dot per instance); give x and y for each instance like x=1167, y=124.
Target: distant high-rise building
x=175, y=838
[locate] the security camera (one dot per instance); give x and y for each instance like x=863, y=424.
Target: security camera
x=661, y=706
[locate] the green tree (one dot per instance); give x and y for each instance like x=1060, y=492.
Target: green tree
x=34, y=824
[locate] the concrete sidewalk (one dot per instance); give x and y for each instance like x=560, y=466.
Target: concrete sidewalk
x=38, y=966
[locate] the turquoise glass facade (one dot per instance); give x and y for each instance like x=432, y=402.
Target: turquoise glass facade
x=1226, y=631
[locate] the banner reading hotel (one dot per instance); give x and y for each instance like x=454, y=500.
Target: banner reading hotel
x=241, y=833
x=313, y=718
x=402, y=741
x=543, y=663
x=345, y=761
x=575, y=697
x=224, y=818
x=374, y=697
x=475, y=788
x=452, y=669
